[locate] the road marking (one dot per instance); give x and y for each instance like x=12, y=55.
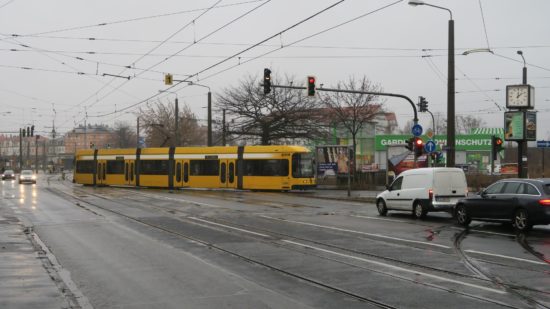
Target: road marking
x=382, y=219
x=180, y=200
x=486, y=232
x=506, y=257
x=362, y=233
x=227, y=226
x=397, y=268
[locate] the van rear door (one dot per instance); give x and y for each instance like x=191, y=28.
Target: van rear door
x=449, y=185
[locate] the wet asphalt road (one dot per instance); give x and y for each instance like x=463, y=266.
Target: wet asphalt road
x=127, y=248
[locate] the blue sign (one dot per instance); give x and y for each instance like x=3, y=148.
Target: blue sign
x=543, y=144
x=416, y=130
x=429, y=146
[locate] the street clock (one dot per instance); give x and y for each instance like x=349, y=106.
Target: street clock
x=520, y=96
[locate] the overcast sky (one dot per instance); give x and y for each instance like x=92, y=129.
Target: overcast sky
x=63, y=48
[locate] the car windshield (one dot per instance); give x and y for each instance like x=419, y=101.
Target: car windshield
x=8, y=172
x=26, y=172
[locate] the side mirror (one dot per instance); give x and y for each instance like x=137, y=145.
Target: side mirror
x=388, y=187
x=482, y=193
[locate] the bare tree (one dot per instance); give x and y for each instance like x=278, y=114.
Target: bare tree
x=351, y=110
x=281, y=114
x=124, y=136
x=464, y=124
x=158, y=121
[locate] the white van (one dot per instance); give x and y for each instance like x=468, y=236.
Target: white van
x=422, y=190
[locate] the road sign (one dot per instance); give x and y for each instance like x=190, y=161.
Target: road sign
x=429, y=146
x=543, y=144
x=416, y=130
x=430, y=133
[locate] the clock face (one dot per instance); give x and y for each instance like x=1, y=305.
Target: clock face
x=518, y=96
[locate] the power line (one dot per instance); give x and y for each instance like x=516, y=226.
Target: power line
x=133, y=19
x=235, y=55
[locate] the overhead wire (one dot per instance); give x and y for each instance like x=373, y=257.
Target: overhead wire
x=133, y=19
x=237, y=54
x=150, y=51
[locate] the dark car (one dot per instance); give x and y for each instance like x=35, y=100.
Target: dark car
x=8, y=174
x=522, y=202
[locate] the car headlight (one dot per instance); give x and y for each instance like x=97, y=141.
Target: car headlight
x=33, y=177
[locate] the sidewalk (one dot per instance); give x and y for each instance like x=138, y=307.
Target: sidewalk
x=366, y=196
x=24, y=280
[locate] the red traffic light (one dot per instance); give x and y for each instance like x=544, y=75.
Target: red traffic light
x=311, y=86
x=419, y=142
x=498, y=141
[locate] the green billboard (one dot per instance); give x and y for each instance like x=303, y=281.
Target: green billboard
x=466, y=142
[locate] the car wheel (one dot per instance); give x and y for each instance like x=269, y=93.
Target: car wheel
x=381, y=206
x=521, y=220
x=418, y=211
x=462, y=216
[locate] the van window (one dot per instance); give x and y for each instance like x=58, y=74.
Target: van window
x=396, y=185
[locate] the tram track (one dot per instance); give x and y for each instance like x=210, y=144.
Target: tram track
x=304, y=250
x=496, y=280
x=236, y=254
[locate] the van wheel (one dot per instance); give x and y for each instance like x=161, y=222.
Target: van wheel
x=521, y=220
x=381, y=206
x=418, y=211
x=462, y=216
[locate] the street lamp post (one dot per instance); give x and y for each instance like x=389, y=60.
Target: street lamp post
x=209, y=134
x=522, y=144
x=450, y=85
x=176, y=133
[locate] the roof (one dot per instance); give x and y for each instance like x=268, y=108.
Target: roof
x=491, y=131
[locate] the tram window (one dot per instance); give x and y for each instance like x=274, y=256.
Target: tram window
x=266, y=167
x=126, y=173
x=178, y=172
x=231, y=172
x=132, y=171
x=185, y=172
x=302, y=165
x=85, y=167
x=153, y=167
x=205, y=168
x=115, y=167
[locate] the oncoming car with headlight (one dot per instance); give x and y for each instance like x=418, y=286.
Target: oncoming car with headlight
x=27, y=176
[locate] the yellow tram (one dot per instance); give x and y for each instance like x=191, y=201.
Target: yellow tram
x=239, y=167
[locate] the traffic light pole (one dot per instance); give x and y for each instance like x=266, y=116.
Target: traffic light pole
x=382, y=94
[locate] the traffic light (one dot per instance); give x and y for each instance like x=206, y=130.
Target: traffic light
x=32, y=130
x=22, y=132
x=422, y=104
x=496, y=145
x=409, y=144
x=28, y=131
x=418, y=146
x=311, y=86
x=267, y=81
x=168, y=79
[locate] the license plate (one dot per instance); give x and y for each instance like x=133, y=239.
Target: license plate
x=442, y=199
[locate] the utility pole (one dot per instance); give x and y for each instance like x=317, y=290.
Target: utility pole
x=177, y=134
x=20, y=149
x=36, y=153
x=137, y=133
x=209, y=137
x=522, y=144
x=223, y=129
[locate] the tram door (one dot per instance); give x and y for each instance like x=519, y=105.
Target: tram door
x=227, y=174
x=178, y=173
x=101, y=173
x=129, y=172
